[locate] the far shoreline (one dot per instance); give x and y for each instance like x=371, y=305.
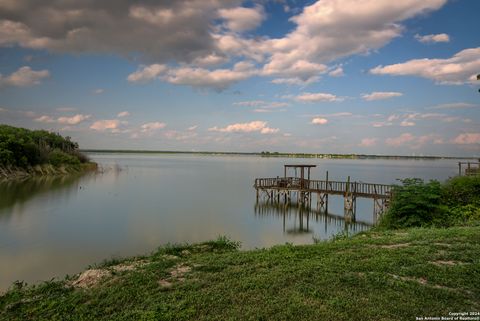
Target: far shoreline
x=278, y=154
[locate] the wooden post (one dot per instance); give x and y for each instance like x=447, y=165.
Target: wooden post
x=326, y=195
x=459, y=169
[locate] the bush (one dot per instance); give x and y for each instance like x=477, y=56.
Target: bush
x=22, y=147
x=415, y=203
x=462, y=190
x=57, y=158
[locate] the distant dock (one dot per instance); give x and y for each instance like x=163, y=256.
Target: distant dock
x=300, y=189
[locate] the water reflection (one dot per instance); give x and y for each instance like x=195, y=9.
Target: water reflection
x=16, y=193
x=301, y=220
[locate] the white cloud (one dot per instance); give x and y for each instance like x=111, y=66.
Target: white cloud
x=378, y=95
x=149, y=127
x=241, y=19
x=459, y=69
x=268, y=130
x=147, y=73
x=441, y=37
x=153, y=30
x=99, y=91
x=218, y=79
x=331, y=29
x=45, y=119
x=192, y=128
x=368, y=142
x=319, y=121
x=400, y=140
x=337, y=72
x=123, y=114
x=413, y=142
x=210, y=60
x=407, y=123
x=74, y=120
x=458, y=105
x=317, y=97
x=24, y=77
x=102, y=125
x=253, y=126
x=298, y=73
x=467, y=139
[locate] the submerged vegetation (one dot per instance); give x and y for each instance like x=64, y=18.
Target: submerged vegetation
x=25, y=151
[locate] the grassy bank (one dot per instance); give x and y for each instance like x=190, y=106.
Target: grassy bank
x=386, y=275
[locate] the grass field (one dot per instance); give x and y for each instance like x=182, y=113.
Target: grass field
x=390, y=275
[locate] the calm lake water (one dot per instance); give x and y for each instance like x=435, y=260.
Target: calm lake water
x=52, y=227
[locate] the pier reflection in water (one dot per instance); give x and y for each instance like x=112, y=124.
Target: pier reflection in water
x=301, y=220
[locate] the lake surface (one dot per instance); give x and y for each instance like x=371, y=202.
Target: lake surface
x=50, y=227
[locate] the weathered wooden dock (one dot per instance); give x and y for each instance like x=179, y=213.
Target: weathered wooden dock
x=469, y=168
x=301, y=190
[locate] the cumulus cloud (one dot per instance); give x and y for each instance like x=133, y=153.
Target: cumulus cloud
x=24, y=77
x=298, y=73
x=177, y=40
x=337, y=72
x=467, y=139
x=379, y=95
x=413, y=142
x=241, y=19
x=458, y=105
x=368, y=142
x=154, y=30
x=149, y=127
x=106, y=124
x=441, y=37
x=317, y=97
x=45, y=119
x=459, y=69
x=218, y=79
x=407, y=123
x=74, y=120
x=319, y=121
x=321, y=29
x=400, y=140
x=123, y=114
x=253, y=126
x=147, y=73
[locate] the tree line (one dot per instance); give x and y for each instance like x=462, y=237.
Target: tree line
x=22, y=147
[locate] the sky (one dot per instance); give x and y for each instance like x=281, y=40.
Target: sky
x=326, y=76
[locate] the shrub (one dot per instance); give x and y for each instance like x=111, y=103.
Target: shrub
x=22, y=147
x=57, y=158
x=415, y=203
x=462, y=190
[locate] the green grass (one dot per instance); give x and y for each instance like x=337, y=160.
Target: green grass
x=378, y=275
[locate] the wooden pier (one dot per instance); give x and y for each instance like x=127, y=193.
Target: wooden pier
x=301, y=189
x=469, y=168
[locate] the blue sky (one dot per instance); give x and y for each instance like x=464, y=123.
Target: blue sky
x=328, y=76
